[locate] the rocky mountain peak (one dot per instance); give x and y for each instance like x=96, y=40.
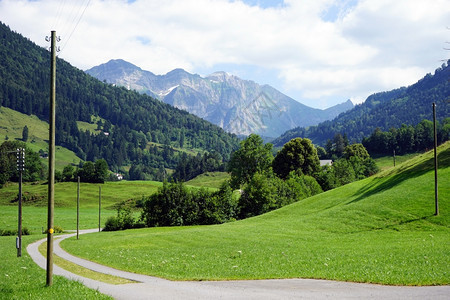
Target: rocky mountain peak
x=237, y=105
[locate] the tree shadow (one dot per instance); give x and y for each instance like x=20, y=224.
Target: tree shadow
x=405, y=172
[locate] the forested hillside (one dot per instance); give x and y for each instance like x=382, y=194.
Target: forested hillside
x=407, y=105
x=237, y=105
x=136, y=129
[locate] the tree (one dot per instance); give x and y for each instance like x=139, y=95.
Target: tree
x=297, y=154
x=339, y=144
x=34, y=170
x=87, y=172
x=357, y=150
x=101, y=170
x=25, y=133
x=67, y=174
x=253, y=156
x=343, y=172
x=259, y=196
x=321, y=152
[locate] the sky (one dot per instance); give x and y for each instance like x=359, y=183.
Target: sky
x=318, y=52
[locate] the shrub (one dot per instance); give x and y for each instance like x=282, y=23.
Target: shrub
x=123, y=220
x=112, y=224
x=11, y=232
x=57, y=229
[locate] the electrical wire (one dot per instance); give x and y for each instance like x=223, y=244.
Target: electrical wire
x=75, y=15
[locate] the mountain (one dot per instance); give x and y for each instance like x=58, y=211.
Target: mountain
x=406, y=105
x=135, y=130
x=238, y=106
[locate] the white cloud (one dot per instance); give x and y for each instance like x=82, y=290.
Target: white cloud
x=320, y=52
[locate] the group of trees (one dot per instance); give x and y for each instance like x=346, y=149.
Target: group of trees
x=354, y=164
x=407, y=139
x=268, y=183
x=191, y=166
x=88, y=172
x=34, y=169
x=176, y=205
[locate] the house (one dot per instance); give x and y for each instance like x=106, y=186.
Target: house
x=326, y=162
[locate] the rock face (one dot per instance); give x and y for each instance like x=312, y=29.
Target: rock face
x=239, y=106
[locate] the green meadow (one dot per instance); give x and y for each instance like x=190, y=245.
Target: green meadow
x=378, y=230
x=35, y=210
x=21, y=278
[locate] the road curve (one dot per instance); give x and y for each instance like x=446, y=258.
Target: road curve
x=148, y=287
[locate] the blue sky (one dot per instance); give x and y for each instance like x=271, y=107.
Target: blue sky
x=319, y=52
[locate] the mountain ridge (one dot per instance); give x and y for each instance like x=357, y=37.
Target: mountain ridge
x=384, y=110
x=237, y=105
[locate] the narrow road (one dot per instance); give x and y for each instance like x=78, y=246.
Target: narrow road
x=148, y=287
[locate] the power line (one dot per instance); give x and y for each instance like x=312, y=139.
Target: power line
x=76, y=16
x=58, y=14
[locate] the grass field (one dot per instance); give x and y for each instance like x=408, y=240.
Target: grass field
x=21, y=278
x=380, y=230
x=35, y=213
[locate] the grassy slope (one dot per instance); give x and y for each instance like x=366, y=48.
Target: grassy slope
x=11, y=125
x=380, y=229
x=209, y=179
x=387, y=162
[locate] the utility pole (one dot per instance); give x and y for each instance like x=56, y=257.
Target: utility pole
x=436, y=202
x=99, y=207
x=20, y=167
x=78, y=208
x=51, y=158
x=394, y=158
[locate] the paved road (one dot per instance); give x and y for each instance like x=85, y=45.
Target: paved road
x=148, y=287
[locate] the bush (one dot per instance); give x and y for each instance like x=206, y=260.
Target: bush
x=11, y=232
x=267, y=192
x=175, y=205
x=112, y=224
x=58, y=229
x=123, y=220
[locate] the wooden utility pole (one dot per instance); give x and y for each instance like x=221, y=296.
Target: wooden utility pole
x=51, y=161
x=394, y=158
x=78, y=208
x=99, y=207
x=20, y=168
x=436, y=202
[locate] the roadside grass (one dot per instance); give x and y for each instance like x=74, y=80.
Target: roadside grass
x=79, y=270
x=378, y=230
x=21, y=278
